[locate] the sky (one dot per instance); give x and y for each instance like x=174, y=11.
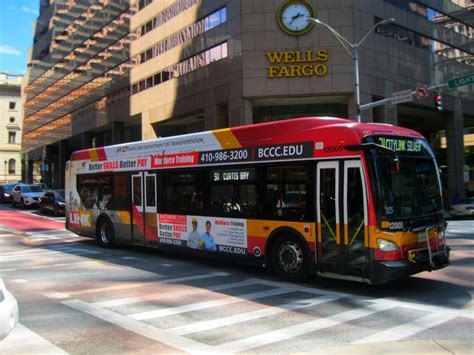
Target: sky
x=16, y=33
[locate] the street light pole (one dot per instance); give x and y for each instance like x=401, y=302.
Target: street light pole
x=353, y=50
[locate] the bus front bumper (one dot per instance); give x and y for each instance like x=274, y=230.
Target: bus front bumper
x=385, y=271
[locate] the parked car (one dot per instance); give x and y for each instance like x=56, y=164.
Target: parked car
x=53, y=201
x=464, y=208
x=8, y=311
x=5, y=192
x=26, y=195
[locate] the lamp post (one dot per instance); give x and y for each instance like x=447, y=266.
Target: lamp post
x=6, y=162
x=353, y=50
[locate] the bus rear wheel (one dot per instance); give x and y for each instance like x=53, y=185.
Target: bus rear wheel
x=290, y=258
x=105, y=234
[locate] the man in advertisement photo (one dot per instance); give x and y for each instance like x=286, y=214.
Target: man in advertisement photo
x=193, y=238
x=207, y=241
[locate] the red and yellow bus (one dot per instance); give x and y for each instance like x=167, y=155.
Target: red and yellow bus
x=315, y=195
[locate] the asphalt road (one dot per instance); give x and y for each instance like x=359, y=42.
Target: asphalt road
x=77, y=298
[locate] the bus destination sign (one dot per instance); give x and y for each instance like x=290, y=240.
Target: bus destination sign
x=401, y=144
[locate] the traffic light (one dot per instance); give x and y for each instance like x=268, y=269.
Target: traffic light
x=438, y=102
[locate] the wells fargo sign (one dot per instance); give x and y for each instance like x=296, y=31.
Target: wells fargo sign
x=297, y=63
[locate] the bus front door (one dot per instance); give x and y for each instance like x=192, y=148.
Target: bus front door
x=341, y=218
x=144, y=208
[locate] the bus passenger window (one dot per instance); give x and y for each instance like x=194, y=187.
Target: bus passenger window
x=233, y=192
x=181, y=191
x=286, y=192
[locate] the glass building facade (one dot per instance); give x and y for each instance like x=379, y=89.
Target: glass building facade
x=159, y=68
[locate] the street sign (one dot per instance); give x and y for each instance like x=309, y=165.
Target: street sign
x=421, y=91
x=401, y=96
x=461, y=81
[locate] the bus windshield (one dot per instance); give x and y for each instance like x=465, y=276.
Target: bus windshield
x=405, y=183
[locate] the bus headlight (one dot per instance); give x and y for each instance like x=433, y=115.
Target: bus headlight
x=386, y=245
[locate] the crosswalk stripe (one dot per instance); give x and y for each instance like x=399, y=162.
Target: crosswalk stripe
x=244, y=317
x=71, y=251
x=408, y=329
x=49, y=266
x=300, y=329
x=174, y=294
x=142, y=284
x=204, y=305
x=161, y=335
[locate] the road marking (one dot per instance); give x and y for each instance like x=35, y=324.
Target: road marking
x=56, y=295
x=244, y=317
x=48, y=266
x=408, y=329
x=19, y=281
x=41, y=253
x=142, y=284
x=204, y=305
x=130, y=258
x=161, y=335
x=299, y=329
x=174, y=294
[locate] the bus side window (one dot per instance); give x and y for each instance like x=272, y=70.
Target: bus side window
x=182, y=192
x=233, y=192
x=120, y=193
x=285, y=192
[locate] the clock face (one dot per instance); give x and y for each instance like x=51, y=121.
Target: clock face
x=293, y=17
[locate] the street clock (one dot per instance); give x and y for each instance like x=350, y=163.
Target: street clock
x=293, y=17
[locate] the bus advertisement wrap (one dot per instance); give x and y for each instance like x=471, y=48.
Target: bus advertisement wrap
x=227, y=235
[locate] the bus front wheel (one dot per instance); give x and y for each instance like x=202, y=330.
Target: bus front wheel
x=290, y=258
x=105, y=233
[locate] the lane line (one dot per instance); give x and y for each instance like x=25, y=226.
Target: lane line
x=204, y=305
x=299, y=329
x=161, y=335
x=244, y=317
x=408, y=329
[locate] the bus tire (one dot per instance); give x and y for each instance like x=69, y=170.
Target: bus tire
x=105, y=235
x=290, y=258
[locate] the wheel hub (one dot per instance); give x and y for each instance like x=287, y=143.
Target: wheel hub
x=290, y=257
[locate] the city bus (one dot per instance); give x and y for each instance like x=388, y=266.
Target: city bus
x=306, y=196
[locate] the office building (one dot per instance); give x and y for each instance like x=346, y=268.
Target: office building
x=207, y=64
x=10, y=127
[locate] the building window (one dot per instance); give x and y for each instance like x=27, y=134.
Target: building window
x=12, y=119
x=186, y=34
x=191, y=64
x=12, y=105
x=144, y=3
x=11, y=166
x=11, y=137
x=167, y=14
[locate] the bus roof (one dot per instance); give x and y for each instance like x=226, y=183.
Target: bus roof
x=326, y=130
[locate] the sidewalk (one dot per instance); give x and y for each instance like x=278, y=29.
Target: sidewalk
x=23, y=341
